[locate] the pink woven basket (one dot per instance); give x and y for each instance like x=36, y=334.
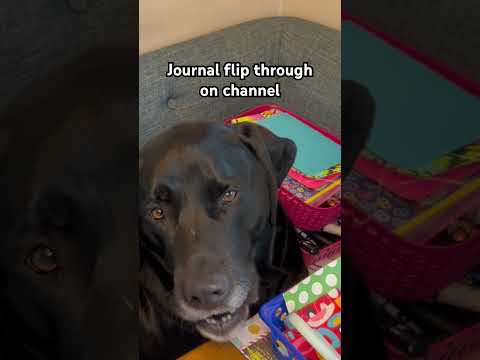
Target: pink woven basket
x=396, y=267
x=324, y=256
x=302, y=215
x=401, y=269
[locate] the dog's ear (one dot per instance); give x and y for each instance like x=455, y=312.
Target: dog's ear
x=358, y=113
x=283, y=258
x=275, y=153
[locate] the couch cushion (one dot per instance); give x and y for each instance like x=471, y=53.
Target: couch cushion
x=165, y=101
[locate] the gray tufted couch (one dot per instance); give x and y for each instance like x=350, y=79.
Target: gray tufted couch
x=164, y=101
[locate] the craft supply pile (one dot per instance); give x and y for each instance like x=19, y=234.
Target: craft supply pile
x=411, y=207
x=314, y=179
x=305, y=321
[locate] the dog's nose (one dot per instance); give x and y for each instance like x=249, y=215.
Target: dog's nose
x=207, y=291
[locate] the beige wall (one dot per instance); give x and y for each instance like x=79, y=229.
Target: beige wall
x=325, y=12
x=165, y=22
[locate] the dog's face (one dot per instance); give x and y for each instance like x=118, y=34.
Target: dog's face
x=47, y=264
x=67, y=229
x=208, y=192
x=67, y=239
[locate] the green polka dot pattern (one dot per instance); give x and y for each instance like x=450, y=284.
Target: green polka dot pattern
x=326, y=280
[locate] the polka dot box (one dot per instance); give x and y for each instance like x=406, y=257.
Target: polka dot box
x=326, y=280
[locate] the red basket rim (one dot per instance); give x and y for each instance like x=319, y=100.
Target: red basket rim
x=263, y=107
x=304, y=204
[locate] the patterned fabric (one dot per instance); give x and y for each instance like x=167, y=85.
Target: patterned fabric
x=304, y=193
x=390, y=210
x=463, y=156
x=256, y=117
x=374, y=200
x=334, y=170
x=317, y=300
x=326, y=280
x=296, y=188
x=324, y=316
x=315, y=182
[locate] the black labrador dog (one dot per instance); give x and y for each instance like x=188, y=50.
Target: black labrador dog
x=212, y=248
x=210, y=242
x=68, y=229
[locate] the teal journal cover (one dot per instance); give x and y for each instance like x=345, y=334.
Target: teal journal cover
x=315, y=152
x=419, y=115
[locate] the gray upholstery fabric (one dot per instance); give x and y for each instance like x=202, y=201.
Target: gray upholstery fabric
x=281, y=40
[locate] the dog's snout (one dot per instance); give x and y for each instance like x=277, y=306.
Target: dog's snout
x=207, y=291
x=206, y=286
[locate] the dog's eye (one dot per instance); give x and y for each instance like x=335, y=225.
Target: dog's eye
x=229, y=196
x=42, y=260
x=157, y=214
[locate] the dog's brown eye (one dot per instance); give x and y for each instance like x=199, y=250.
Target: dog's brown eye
x=229, y=196
x=157, y=214
x=42, y=260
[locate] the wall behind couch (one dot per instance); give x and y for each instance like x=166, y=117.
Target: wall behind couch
x=325, y=12
x=167, y=22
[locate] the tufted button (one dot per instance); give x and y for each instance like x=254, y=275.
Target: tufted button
x=79, y=6
x=172, y=103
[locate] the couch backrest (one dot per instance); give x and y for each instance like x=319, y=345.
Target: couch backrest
x=165, y=101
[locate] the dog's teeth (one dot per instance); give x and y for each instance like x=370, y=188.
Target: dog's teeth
x=219, y=320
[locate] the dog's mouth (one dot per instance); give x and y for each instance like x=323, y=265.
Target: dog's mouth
x=219, y=327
